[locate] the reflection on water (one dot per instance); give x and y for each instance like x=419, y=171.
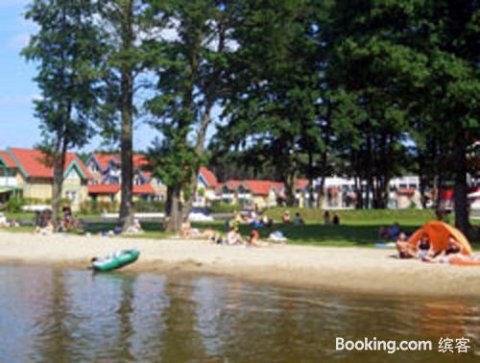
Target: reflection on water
x=53, y=315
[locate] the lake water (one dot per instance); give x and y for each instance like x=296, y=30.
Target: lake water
x=55, y=315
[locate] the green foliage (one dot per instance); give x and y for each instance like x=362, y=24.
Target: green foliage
x=222, y=207
x=275, y=81
x=143, y=206
x=14, y=205
x=66, y=60
x=90, y=207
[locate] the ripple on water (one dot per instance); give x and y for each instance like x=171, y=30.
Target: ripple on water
x=70, y=315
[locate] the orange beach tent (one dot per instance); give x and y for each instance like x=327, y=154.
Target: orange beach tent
x=439, y=233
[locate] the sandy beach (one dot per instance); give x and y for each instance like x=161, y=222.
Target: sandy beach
x=368, y=270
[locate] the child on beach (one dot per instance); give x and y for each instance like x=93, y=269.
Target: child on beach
x=234, y=238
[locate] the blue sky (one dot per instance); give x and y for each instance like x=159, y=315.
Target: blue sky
x=18, y=127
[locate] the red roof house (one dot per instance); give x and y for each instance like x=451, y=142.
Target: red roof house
x=208, y=177
x=113, y=189
x=34, y=163
x=7, y=160
x=256, y=187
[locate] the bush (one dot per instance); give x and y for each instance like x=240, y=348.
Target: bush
x=14, y=205
x=222, y=207
x=95, y=207
x=143, y=206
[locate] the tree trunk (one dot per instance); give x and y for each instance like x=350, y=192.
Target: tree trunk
x=199, y=150
x=175, y=216
x=461, y=188
x=126, y=206
x=311, y=199
x=59, y=159
x=289, y=181
x=358, y=193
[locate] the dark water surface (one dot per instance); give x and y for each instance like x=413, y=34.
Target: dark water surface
x=54, y=315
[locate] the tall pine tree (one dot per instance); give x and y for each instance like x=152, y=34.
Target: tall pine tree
x=67, y=58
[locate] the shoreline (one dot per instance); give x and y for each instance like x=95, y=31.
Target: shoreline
x=350, y=269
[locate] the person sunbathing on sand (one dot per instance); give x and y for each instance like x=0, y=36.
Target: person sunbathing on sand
x=455, y=250
x=422, y=249
x=186, y=231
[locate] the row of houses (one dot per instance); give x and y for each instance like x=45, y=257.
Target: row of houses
x=25, y=173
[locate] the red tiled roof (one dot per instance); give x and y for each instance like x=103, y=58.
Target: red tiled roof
x=257, y=187
x=104, y=159
x=143, y=189
x=8, y=160
x=302, y=183
x=115, y=188
x=33, y=163
x=210, y=178
x=139, y=160
x=103, y=189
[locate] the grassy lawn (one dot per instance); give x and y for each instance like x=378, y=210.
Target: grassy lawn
x=357, y=228
x=152, y=229
x=359, y=217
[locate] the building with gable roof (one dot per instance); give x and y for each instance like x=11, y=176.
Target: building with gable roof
x=27, y=173
x=207, y=184
x=105, y=184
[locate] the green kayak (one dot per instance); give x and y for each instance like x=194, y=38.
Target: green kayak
x=115, y=260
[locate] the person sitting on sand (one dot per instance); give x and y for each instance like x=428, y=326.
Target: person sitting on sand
x=234, y=238
x=423, y=248
x=46, y=230
x=253, y=239
x=454, y=246
x=136, y=228
x=298, y=221
x=404, y=251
